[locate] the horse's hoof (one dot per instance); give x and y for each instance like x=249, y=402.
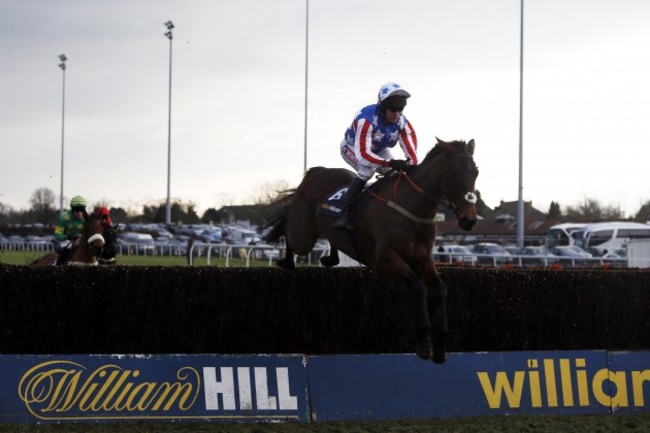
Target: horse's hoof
x=287, y=264
x=329, y=261
x=424, y=350
x=440, y=357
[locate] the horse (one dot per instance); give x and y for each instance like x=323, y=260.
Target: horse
x=107, y=256
x=394, y=230
x=89, y=249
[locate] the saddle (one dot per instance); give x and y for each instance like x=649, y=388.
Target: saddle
x=332, y=205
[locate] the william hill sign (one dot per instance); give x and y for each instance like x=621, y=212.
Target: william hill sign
x=269, y=388
x=105, y=388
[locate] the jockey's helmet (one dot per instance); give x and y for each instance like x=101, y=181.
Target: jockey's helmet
x=393, y=95
x=78, y=203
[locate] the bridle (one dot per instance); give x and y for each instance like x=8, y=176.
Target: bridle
x=469, y=197
x=96, y=251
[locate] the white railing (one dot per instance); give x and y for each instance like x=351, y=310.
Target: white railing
x=249, y=253
x=27, y=246
x=245, y=252
x=526, y=260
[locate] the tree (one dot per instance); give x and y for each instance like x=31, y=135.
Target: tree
x=267, y=192
x=118, y=215
x=180, y=212
x=592, y=210
x=210, y=215
x=43, y=208
x=554, y=211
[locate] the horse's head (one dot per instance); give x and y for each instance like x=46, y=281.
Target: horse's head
x=458, y=180
x=110, y=247
x=93, y=235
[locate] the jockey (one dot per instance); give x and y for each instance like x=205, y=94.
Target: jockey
x=102, y=215
x=375, y=129
x=69, y=228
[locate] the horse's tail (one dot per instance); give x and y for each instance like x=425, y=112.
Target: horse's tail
x=275, y=224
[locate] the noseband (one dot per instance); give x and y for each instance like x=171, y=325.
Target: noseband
x=96, y=251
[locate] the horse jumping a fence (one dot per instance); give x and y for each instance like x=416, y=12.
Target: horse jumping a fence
x=87, y=252
x=394, y=229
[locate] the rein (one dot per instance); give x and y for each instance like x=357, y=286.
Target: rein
x=469, y=197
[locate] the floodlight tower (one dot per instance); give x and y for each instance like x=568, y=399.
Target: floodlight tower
x=168, y=206
x=63, y=59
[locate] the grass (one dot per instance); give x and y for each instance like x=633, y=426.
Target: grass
x=25, y=258
x=496, y=424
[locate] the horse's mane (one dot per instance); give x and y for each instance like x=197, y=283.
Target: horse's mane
x=437, y=150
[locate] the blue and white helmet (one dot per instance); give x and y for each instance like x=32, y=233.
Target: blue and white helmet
x=391, y=89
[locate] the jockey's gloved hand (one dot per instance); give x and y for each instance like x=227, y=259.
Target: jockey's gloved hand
x=398, y=164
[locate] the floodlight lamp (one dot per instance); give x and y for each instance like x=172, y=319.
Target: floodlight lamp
x=169, y=35
x=170, y=25
x=62, y=66
x=62, y=57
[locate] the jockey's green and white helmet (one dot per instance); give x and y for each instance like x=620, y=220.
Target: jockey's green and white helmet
x=392, y=95
x=78, y=203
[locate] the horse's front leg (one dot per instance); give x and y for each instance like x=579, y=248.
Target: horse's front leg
x=438, y=300
x=332, y=259
x=392, y=264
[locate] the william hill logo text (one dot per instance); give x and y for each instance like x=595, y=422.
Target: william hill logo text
x=566, y=383
x=66, y=390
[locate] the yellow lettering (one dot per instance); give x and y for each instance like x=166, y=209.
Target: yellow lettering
x=95, y=404
x=567, y=382
x=141, y=405
x=62, y=386
x=638, y=377
x=597, y=385
x=583, y=384
x=619, y=379
x=551, y=387
x=535, y=388
x=106, y=404
x=502, y=385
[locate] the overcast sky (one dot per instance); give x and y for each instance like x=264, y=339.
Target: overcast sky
x=238, y=94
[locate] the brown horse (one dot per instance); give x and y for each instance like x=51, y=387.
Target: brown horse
x=89, y=249
x=394, y=229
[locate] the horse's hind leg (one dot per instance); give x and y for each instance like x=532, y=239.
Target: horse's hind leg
x=332, y=259
x=288, y=261
x=302, y=230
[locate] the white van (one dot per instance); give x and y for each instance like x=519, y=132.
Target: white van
x=562, y=234
x=609, y=236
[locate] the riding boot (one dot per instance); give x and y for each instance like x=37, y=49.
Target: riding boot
x=343, y=221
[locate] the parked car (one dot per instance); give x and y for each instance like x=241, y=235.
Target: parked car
x=209, y=236
x=143, y=242
x=535, y=256
x=455, y=254
x=571, y=253
x=491, y=253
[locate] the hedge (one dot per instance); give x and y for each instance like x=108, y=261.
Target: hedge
x=157, y=309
